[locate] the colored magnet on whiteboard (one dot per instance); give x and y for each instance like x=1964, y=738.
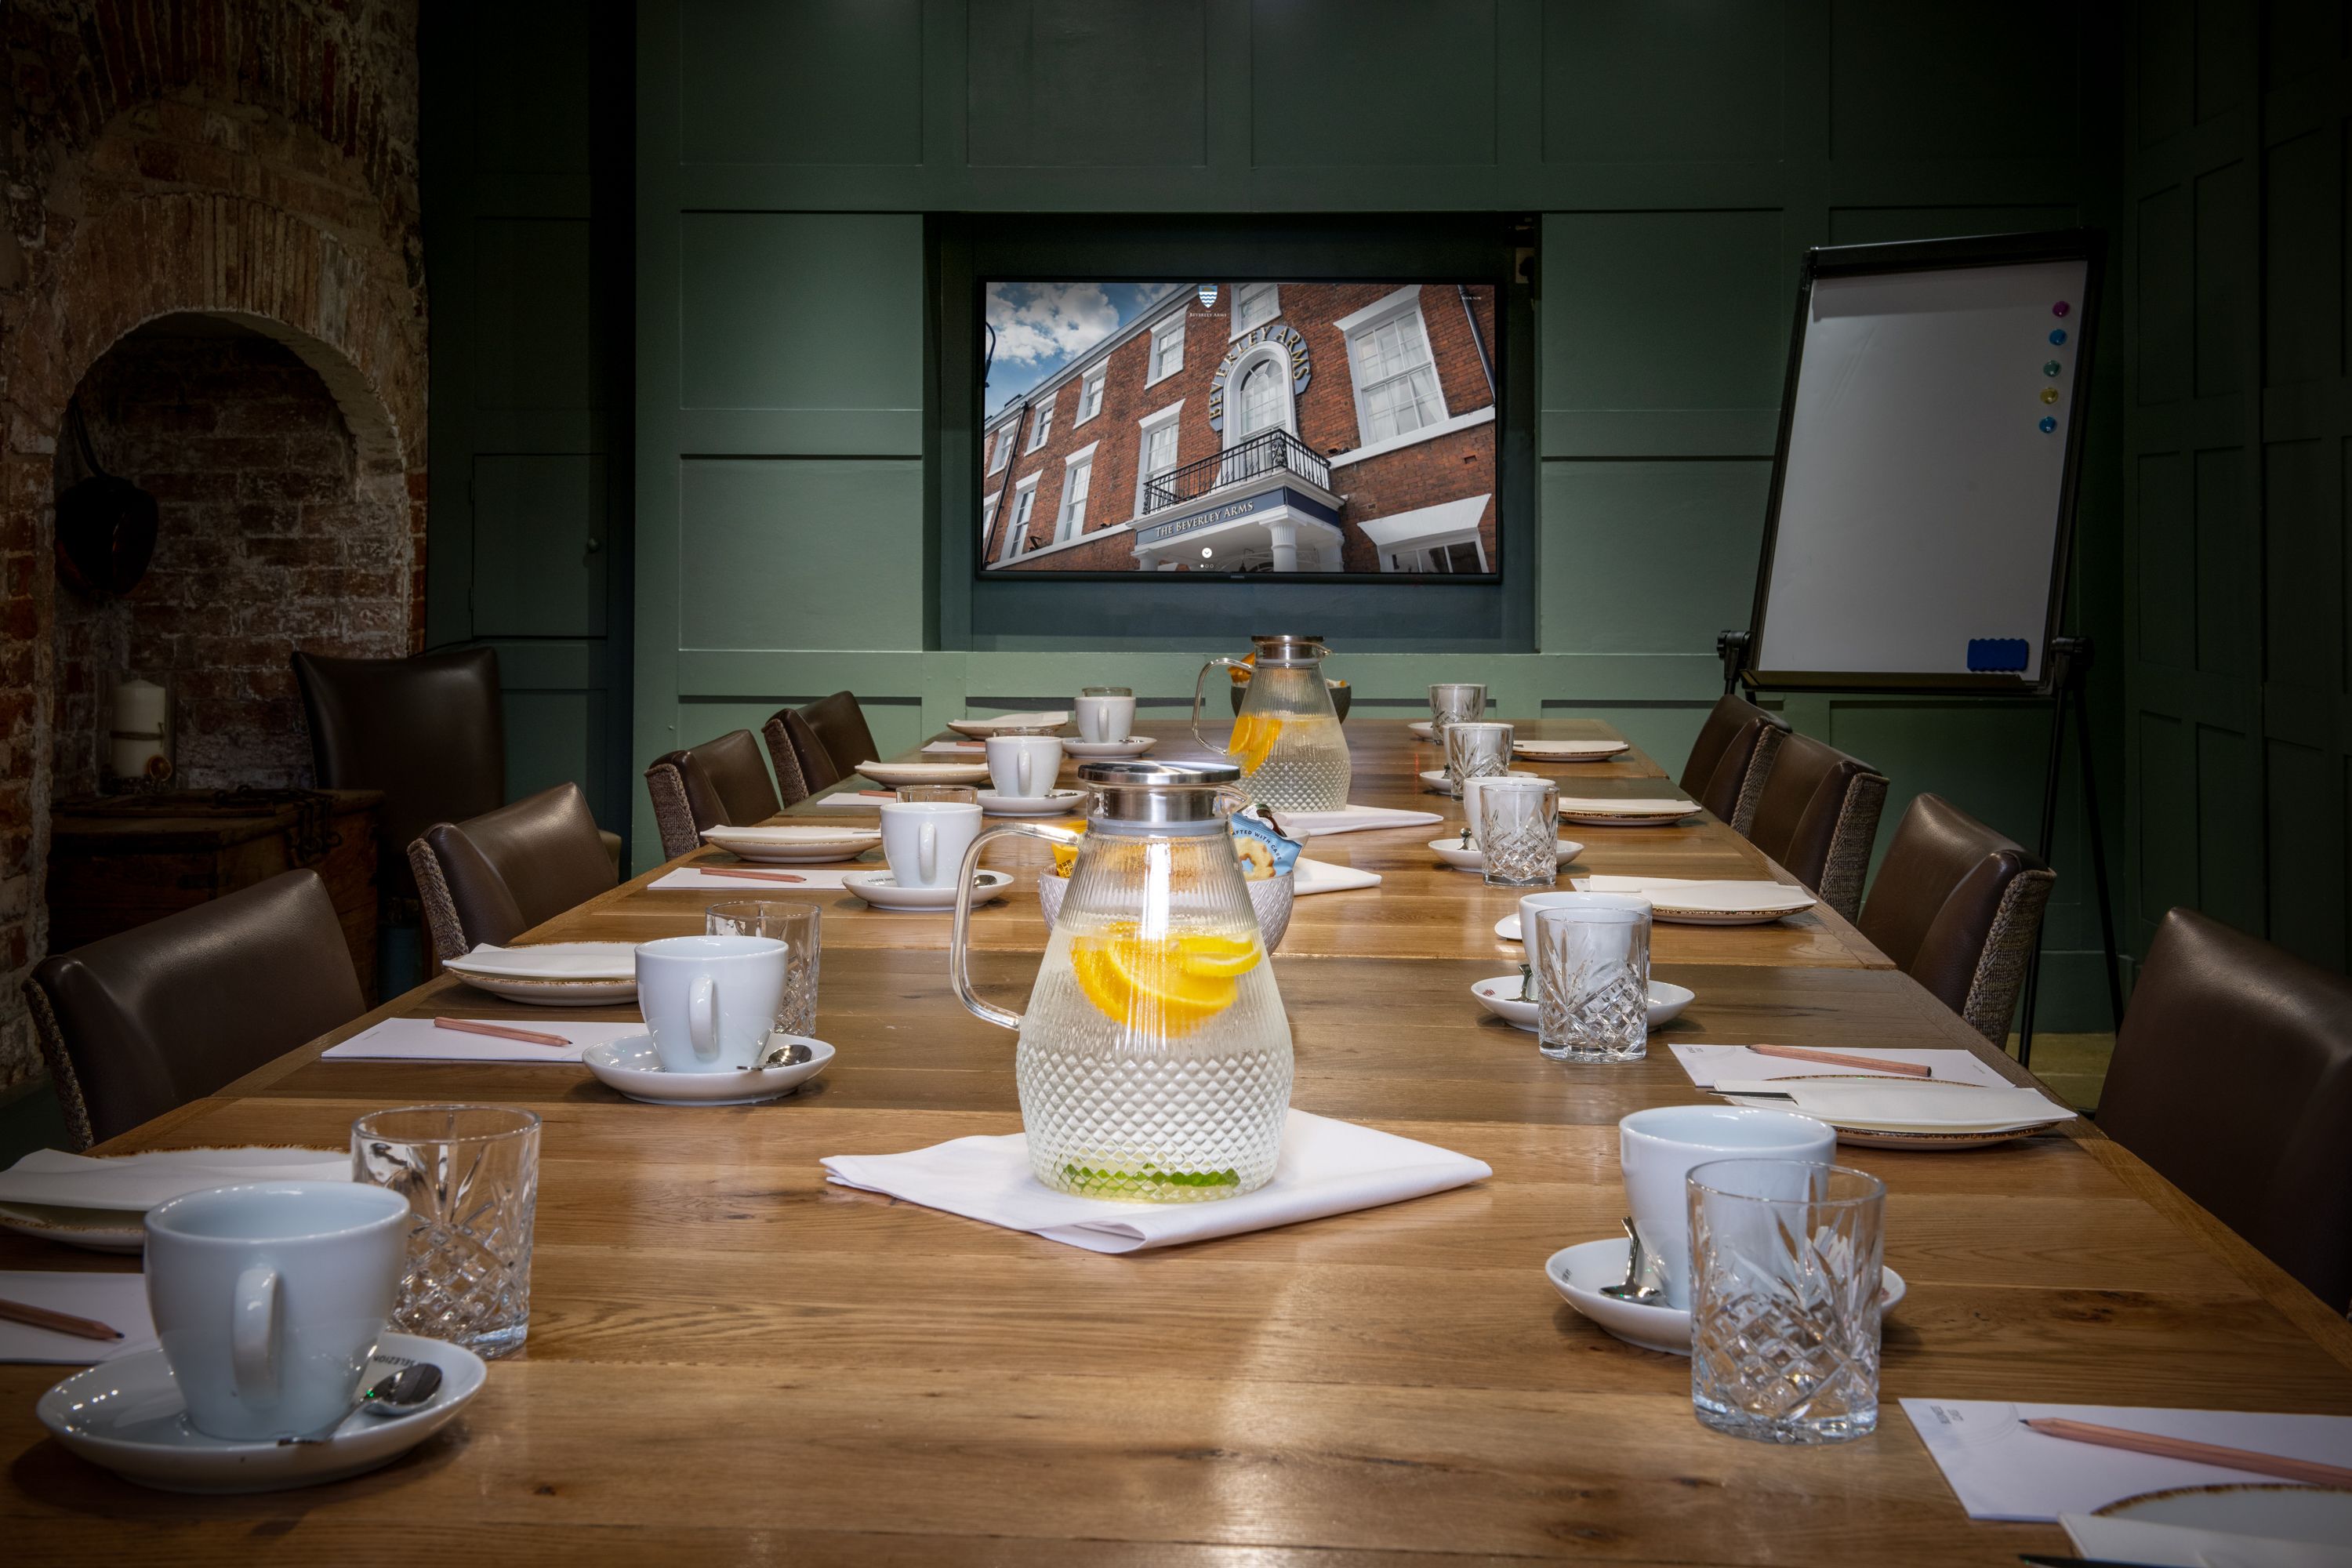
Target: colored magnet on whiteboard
x=2057, y=335
x=2052, y=368
x=2049, y=394
x=2060, y=308
x=2048, y=425
x=1996, y=654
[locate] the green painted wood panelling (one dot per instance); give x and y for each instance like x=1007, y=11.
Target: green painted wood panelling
x=1373, y=83
x=821, y=311
x=2239, y=431
x=1680, y=155
x=1133, y=74
x=539, y=547
x=817, y=81
x=529, y=298
x=798, y=552
x=1617, y=530
x=1657, y=82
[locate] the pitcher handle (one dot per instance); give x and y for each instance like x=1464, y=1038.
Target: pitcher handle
x=959, y=940
x=1199, y=686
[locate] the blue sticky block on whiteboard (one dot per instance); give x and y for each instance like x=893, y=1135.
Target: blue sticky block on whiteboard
x=1992, y=656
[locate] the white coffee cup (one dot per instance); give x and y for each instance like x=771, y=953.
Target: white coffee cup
x=268, y=1299
x=1020, y=766
x=711, y=1002
x=1470, y=788
x=924, y=841
x=1105, y=718
x=1656, y=1148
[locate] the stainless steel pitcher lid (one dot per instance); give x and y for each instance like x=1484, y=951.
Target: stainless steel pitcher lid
x=1287, y=647
x=1160, y=794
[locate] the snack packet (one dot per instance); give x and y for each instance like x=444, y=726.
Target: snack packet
x=1261, y=848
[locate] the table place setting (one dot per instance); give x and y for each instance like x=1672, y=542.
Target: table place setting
x=1596, y=750
x=97, y=1200
x=1590, y=811
x=1506, y=996
x=2038, y=1463
x=953, y=749
x=1351, y=819
x=1882, y=1111
x=1010, y=724
x=792, y=843
x=896, y=775
x=1325, y=1167
x=72, y=1320
x=476, y=1040
x=705, y=877
x=1686, y=901
x=1706, y=1064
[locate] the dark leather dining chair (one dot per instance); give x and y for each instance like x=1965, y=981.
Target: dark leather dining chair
x=136, y=1024
x=717, y=784
x=792, y=784
x=494, y=876
x=1818, y=816
x=829, y=739
x=426, y=730
x=1958, y=908
x=2232, y=1077
x=1732, y=758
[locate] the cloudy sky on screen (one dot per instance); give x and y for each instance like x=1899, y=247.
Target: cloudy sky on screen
x=1041, y=327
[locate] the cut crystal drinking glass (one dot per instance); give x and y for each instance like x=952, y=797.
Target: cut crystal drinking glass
x=470, y=1174
x=1518, y=831
x=1591, y=954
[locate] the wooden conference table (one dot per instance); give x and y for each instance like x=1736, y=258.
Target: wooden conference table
x=730, y=1359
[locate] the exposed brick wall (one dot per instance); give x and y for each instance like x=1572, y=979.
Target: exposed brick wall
x=269, y=541
x=255, y=158
x=1444, y=468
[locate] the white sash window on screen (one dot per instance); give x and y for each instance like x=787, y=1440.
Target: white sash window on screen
x=1255, y=304
x=1076, y=481
x=1261, y=399
x=1044, y=425
x=1167, y=349
x=1024, y=501
x=1396, y=382
x=1090, y=395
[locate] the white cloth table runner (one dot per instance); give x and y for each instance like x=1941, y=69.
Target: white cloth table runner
x=1326, y=1168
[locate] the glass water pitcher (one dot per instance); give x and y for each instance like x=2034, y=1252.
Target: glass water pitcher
x=1154, y=1063
x=1286, y=738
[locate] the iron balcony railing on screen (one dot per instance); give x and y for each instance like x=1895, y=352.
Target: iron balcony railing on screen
x=1272, y=452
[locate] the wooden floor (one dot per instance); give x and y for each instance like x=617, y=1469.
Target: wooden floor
x=731, y=1360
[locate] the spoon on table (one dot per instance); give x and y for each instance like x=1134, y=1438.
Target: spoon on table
x=402, y=1392
x=1636, y=1287
x=790, y=1054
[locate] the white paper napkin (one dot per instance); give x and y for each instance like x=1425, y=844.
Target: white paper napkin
x=1323, y=877
x=1326, y=1167
x=813, y=879
x=1899, y=1103
x=1535, y=748
x=1653, y=806
x=2178, y=1546
x=2002, y=1469
x=955, y=749
x=556, y=961
x=137, y=1182
x=1736, y=1063
x=117, y=1300
x=1694, y=893
x=1351, y=819
x=416, y=1040
x=1021, y=720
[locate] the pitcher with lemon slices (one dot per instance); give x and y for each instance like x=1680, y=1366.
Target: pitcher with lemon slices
x=1287, y=737
x=1154, y=1063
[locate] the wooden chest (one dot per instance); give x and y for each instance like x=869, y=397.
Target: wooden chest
x=118, y=862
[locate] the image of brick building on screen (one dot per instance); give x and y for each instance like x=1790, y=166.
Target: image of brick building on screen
x=1332, y=428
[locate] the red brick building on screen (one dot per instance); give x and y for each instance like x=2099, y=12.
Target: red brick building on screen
x=1285, y=428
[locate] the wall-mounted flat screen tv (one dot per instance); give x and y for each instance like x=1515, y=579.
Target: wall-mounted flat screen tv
x=1240, y=427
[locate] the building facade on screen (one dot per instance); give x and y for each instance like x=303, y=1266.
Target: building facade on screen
x=1334, y=428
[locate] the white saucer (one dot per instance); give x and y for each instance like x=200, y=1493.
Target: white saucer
x=1011, y=724
x=882, y=891
x=793, y=846
x=1578, y=1272
x=1450, y=850
x=898, y=775
x=1061, y=803
x=1421, y=728
x=1435, y=779
x=1500, y=997
x=632, y=1066
x=127, y=1416
x=1094, y=750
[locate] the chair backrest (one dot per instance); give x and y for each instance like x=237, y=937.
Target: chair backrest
x=2232, y=1076
x=1732, y=758
x=1818, y=815
x=792, y=784
x=717, y=783
x=1960, y=908
x=830, y=738
x=136, y=1024
x=496, y=876
x=427, y=731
